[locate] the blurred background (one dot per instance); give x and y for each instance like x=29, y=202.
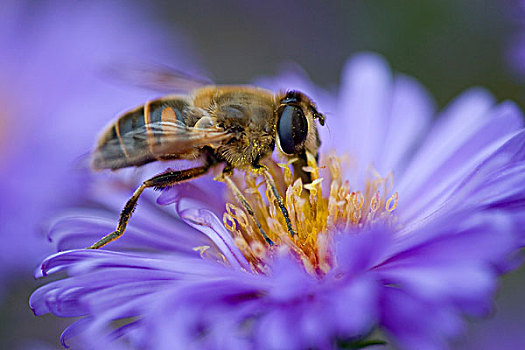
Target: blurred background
x=55, y=97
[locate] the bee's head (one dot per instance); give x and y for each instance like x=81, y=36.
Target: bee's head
x=296, y=127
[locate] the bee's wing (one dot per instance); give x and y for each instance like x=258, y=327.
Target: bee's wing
x=181, y=139
x=157, y=77
x=160, y=140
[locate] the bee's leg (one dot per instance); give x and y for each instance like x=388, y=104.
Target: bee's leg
x=226, y=176
x=166, y=179
x=258, y=168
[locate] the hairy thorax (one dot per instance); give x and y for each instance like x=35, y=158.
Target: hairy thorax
x=245, y=150
x=249, y=115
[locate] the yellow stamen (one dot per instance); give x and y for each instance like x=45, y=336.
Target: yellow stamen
x=314, y=216
x=395, y=198
x=202, y=250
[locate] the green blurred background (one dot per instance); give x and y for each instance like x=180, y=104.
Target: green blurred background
x=447, y=45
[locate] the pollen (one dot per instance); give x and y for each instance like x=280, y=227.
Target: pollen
x=319, y=209
x=202, y=250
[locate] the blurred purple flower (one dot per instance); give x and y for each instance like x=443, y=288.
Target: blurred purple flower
x=410, y=263
x=515, y=53
x=54, y=100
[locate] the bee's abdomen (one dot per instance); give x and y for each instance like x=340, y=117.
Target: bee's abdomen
x=136, y=138
x=123, y=144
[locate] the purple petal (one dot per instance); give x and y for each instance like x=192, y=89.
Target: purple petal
x=356, y=252
x=479, y=236
x=416, y=324
x=502, y=188
x=144, y=231
x=277, y=330
x=205, y=221
x=355, y=308
x=169, y=266
x=198, y=193
x=71, y=332
x=448, y=168
x=365, y=100
x=286, y=275
x=454, y=262
x=497, y=177
x=44, y=300
x=409, y=118
x=451, y=127
x=464, y=194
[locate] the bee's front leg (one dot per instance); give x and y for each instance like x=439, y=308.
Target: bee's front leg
x=226, y=177
x=261, y=169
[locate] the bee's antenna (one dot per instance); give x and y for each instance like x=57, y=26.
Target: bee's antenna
x=325, y=114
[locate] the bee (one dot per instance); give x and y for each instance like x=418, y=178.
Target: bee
x=236, y=126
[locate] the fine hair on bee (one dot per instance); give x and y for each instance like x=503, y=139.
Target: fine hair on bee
x=237, y=126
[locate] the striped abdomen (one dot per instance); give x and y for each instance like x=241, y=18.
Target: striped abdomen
x=135, y=138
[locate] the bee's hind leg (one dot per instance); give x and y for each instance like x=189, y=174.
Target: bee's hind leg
x=166, y=179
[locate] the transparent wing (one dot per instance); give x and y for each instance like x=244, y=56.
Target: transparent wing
x=157, y=140
x=156, y=77
x=182, y=138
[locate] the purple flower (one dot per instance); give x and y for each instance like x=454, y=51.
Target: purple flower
x=54, y=99
x=404, y=229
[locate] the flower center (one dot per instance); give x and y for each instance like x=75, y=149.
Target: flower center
x=314, y=214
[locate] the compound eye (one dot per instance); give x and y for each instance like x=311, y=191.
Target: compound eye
x=292, y=129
